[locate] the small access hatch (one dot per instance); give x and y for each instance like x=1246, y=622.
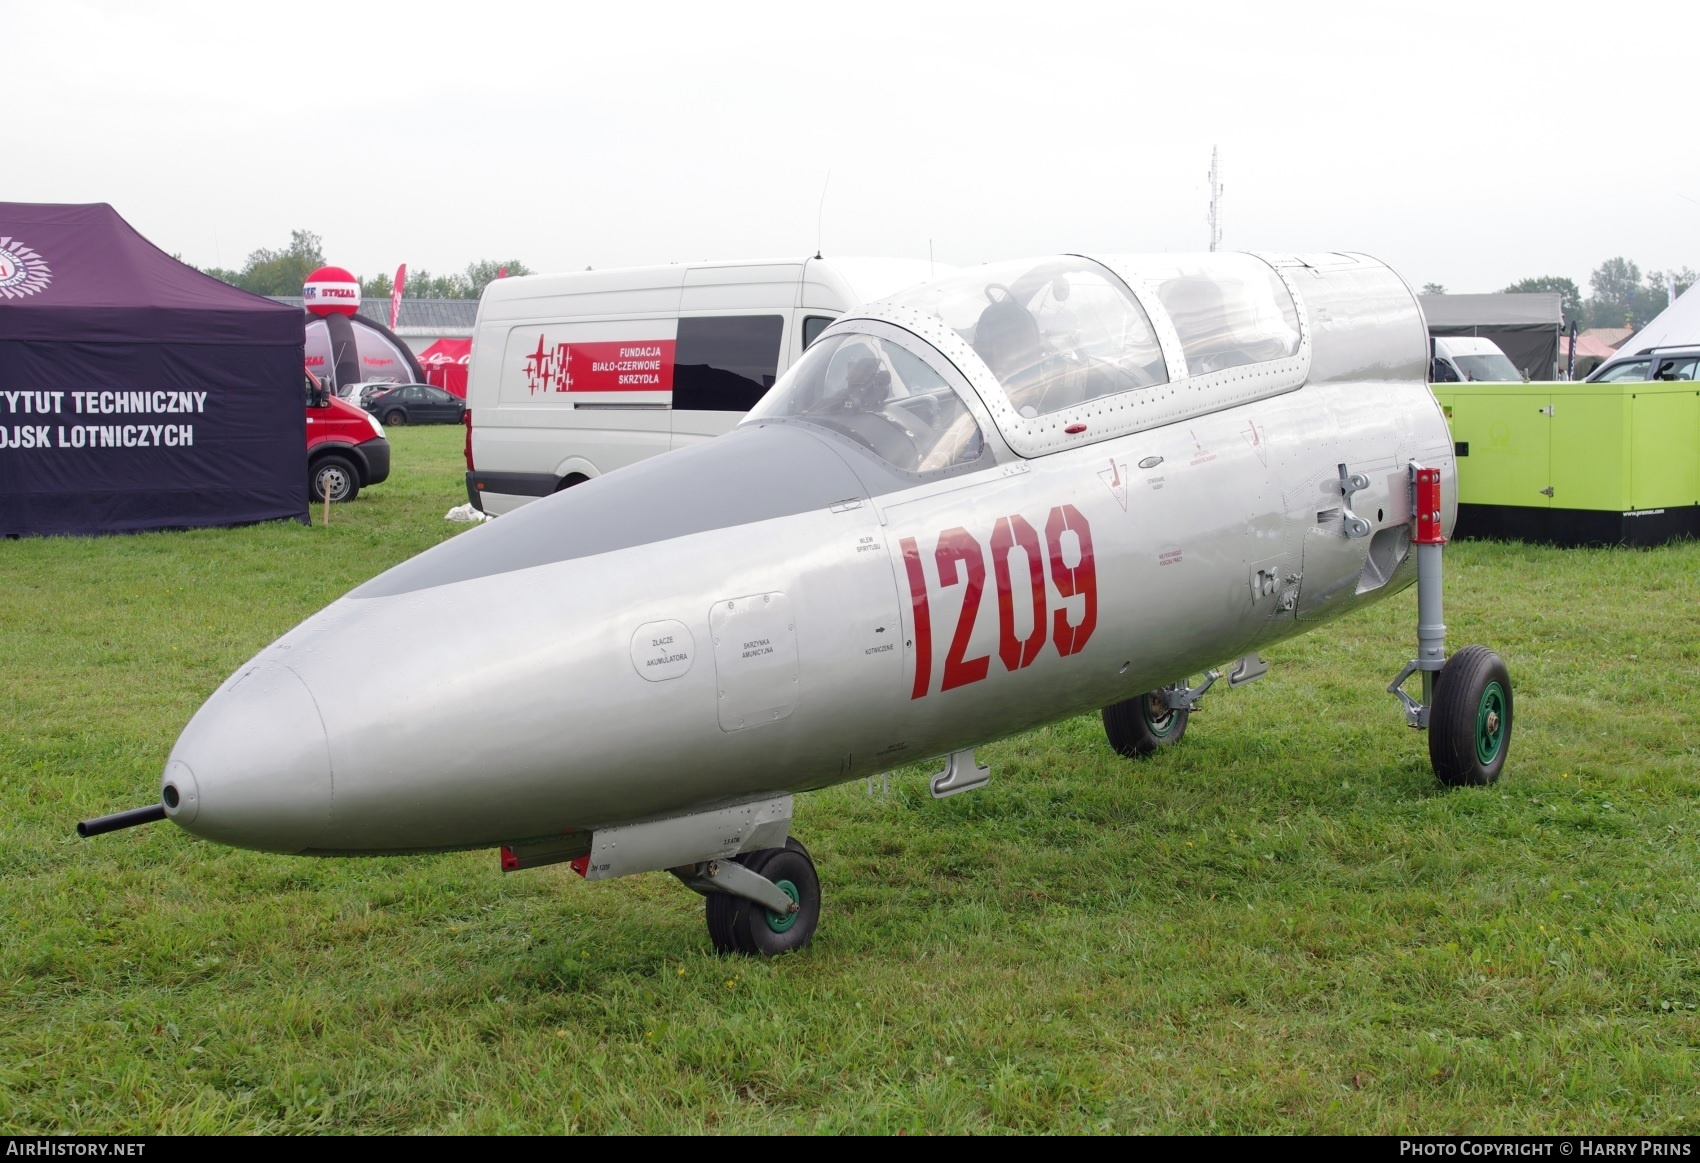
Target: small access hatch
x=755, y=660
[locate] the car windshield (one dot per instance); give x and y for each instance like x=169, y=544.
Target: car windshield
x=881, y=395
x=1055, y=332
x=1635, y=371
x=1493, y=368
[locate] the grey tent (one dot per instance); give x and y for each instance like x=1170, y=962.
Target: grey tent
x=1526, y=327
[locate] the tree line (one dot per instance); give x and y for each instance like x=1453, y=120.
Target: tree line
x=1621, y=296
x=282, y=272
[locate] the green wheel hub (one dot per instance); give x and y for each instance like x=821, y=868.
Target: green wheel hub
x=1159, y=716
x=779, y=922
x=1490, y=723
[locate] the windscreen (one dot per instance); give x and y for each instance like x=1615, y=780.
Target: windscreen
x=882, y=396
x=1229, y=310
x=1633, y=372
x=1493, y=368
x=1055, y=332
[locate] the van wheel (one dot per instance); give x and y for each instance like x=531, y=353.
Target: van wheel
x=333, y=476
x=395, y=418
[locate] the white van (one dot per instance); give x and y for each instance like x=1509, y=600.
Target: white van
x=1466, y=358
x=576, y=375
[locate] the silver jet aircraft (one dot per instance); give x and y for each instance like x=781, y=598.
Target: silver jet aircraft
x=988, y=503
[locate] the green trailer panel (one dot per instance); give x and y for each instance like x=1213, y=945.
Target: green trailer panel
x=1665, y=433
x=1590, y=451
x=1504, y=443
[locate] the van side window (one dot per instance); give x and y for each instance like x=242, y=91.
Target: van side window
x=1443, y=372
x=724, y=363
x=813, y=325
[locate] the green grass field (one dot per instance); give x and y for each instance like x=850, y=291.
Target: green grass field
x=1282, y=924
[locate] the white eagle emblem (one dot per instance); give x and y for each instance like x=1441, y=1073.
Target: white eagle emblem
x=22, y=270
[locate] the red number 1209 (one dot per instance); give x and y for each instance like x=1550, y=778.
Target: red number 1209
x=960, y=560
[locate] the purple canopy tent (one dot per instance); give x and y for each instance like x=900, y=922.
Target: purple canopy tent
x=136, y=392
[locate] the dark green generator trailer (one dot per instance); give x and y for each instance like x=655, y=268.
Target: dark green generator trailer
x=1576, y=463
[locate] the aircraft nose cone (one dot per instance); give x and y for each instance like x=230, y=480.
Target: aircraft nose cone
x=253, y=768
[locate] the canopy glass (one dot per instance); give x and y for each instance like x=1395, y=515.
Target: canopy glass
x=882, y=396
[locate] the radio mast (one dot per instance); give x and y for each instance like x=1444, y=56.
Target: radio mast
x=1215, y=200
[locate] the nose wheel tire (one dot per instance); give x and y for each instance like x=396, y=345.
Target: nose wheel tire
x=335, y=477
x=737, y=925
x=1469, y=725
x=1139, y=726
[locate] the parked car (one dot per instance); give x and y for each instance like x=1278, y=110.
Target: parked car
x=364, y=392
x=346, y=448
x=1465, y=359
x=356, y=392
x=1661, y=363
x=415, y=404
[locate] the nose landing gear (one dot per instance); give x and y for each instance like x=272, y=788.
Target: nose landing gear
x=1466, y=701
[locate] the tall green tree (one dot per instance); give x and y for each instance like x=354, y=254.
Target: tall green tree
x=1658, y=288
x=1617, y=297
x=1433, y=289
x=277, y=272
x=484, y=272
x=1622, y=297
x=1571, y=294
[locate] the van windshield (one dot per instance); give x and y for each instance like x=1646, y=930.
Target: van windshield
x=882, y=396
x=1492, y=368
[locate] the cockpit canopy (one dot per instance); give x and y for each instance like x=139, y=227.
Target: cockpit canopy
x=1060, y=350
x=1056, y=332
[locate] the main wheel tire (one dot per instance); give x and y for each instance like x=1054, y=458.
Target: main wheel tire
x=737, y=925
x=395, y=418
x=1139, y=726
x=719, y=916
x=335, y=476
x=1469, y=725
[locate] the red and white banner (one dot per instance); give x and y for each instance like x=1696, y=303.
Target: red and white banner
x=634, y=365
x=395, y=294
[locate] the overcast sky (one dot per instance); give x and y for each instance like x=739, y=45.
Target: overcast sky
x=1467, y=144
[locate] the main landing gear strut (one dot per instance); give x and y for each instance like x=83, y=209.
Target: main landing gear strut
x=1466, y=699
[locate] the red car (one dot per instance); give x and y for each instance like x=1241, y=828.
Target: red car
x=346, y=447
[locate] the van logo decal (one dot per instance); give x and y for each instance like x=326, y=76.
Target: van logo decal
x=631, y=365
